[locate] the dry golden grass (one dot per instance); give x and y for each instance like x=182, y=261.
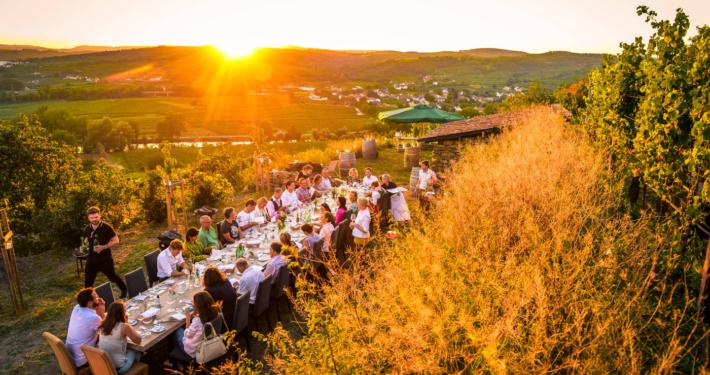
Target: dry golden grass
x=526, y=266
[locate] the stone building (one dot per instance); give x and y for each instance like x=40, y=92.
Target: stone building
x=447, y=140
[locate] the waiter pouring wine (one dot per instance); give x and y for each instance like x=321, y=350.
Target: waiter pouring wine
x=99, y=238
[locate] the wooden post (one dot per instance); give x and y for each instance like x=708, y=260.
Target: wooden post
x=703, y=282
x=10, y=262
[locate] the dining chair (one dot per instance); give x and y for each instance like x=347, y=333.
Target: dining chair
x=104, y=291
x=135, y=282
x=101, y=363
x=151, y=266
x=261, y=305
x=64, y=359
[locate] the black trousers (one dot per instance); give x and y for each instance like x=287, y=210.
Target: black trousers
x=95, y=265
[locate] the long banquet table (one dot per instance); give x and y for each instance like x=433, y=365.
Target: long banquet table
x=173, y=296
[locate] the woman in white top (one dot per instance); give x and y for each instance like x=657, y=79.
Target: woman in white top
x=361, y=225
x=113, y=334
x=189, y=338
x=326, y=230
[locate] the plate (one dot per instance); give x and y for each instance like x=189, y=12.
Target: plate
x=253, y=242
x=169, y=282
x=132, y=322
x=158, y=329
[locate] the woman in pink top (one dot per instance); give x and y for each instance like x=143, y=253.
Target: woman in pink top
x=342, y=210
x=189, y=338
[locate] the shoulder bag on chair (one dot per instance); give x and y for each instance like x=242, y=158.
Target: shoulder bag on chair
x=211, y=348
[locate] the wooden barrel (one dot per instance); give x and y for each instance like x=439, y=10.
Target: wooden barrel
x=346, y=160
x=413, y=177
x=411, y=156
x=369, y=149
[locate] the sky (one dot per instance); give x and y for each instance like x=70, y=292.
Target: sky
x=404, y=25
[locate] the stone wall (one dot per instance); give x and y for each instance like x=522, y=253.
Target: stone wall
x=443, y=155
x=280, y=178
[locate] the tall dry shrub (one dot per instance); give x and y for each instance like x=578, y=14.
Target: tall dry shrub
x=526, y=266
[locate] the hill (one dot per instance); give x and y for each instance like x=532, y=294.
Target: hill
x=477, y=68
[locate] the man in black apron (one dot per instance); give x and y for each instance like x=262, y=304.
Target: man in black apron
x=100, y=238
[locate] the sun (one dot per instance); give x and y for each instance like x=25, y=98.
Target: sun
x=235, y=50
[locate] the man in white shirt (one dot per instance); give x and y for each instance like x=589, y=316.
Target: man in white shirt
x=169, y=260
x=427, y=177
x=84, y=323
x=245, y=220
x=289, y=199
x=273, y=207
x=361, y=225
x=277, y=261
x=251, y=277
x=369, y=178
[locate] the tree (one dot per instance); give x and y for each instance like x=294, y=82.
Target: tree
x=171, y=127
x=119, y=137
x=470, y=111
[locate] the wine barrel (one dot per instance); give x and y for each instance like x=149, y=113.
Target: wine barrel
x=411, y=156
x=413, y=177
x=346, y=160
x=369, y=149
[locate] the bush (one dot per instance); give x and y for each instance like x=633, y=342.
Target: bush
x=153, y=198
x=206, y=189
x=533, y=269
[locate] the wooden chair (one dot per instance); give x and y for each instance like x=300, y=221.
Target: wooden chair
x=64, y=359
x=151, y=266
x=135, y=282
x=104, y=291
x=101, y=363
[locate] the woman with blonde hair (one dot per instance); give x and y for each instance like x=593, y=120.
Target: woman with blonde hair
x=353, y=176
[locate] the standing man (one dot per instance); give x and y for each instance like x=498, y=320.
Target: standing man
x=427, y=177
x=100, y=238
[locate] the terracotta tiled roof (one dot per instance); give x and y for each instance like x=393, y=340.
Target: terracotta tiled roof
x=480, y=125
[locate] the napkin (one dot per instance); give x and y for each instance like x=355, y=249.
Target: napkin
x=225, y=267
x=151, y=312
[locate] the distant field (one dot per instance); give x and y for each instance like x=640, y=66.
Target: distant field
x=221, y=115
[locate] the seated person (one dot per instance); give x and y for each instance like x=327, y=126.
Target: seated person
x=311, y=238
x=274, y=206
x=375, y=194
x=261, y=210
x=170, y=261
x=195, y=250
x=221, y=290
x=228, y=228
x=327, y=221
x=303, y=193
x=277, y=260
x=353, y=177
x=251, y=277
x=245, y=220
x=84, y=324
x=361, y=225
x=208, y=235
x=285, y=239
x=369, y=178
x=342, y=211
x=352, y=201
x=189, y=337
x=289, y=200
x=113, y=338
x=325, y=182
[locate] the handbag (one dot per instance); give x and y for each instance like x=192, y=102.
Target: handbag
x=211, y=347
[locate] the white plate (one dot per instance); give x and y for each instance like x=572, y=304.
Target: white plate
x=132, y=322
x=169, y=282
x=158, y=329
